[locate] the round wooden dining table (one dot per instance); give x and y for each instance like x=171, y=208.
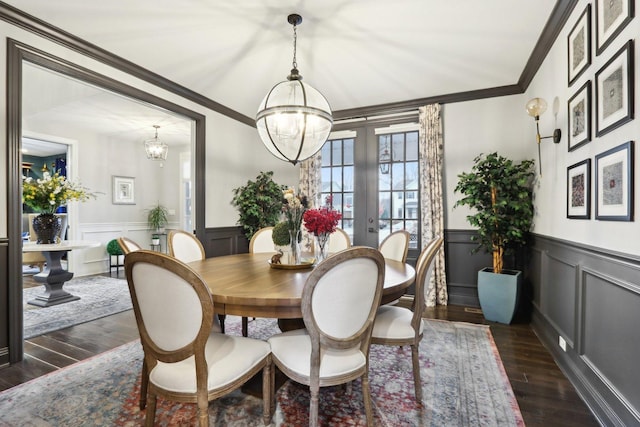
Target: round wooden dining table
x=247, y=285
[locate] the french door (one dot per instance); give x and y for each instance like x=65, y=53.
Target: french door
x=371, y=174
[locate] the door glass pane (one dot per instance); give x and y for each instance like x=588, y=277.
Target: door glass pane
x=337, y=176
x=336, y=179
x=347, y=151
x=397, y=147
x=336, y=149
x=412, y=146
x=412, y=178
x=398, y=186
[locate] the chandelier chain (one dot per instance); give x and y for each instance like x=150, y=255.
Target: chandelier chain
x=295, y=41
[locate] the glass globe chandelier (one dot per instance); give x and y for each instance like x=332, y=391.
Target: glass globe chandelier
x=156, y=150
x=294, y=119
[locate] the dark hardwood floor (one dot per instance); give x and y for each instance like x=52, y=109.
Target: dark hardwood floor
x=545, y=396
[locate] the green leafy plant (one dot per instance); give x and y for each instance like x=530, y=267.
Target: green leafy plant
x=501, y=193
x=113, y=248
x=259, y=203
x=157, y=217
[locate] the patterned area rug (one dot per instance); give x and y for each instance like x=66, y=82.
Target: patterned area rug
x=464, y=384
x=100, y=296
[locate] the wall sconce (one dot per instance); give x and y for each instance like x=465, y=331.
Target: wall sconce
x=535, y=108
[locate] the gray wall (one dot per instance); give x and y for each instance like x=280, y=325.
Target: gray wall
x=590, y=298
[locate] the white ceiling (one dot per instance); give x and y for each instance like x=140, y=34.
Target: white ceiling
x=358, y=53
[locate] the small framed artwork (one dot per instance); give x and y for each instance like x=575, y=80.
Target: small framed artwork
x=614, y=183
x=123, y=190
x=614, y=91
x=580, y=117
x=579, y=190
x=611, y=18
x=579, y=46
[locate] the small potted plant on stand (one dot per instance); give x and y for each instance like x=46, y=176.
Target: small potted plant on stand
x=157, y=218
x=500, y=191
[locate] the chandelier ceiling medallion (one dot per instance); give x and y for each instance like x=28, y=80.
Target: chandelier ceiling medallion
x=156, y=149
x=294, y=119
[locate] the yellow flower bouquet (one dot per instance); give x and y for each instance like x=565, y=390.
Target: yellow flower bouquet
x=47, y=194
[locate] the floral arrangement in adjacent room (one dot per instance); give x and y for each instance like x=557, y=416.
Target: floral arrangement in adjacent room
x=51, y=192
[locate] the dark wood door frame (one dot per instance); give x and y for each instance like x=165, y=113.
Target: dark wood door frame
x=17, y=53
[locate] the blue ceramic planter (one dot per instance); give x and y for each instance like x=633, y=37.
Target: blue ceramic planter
x=499, y=294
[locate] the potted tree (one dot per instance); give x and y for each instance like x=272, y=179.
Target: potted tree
x=500, y=192
x=157, y=218
x=259, y=203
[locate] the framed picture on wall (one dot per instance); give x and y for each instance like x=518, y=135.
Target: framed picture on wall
x=579, y=46
x=579, y=190
x=614, y=183
x=123, y=188
x=579, y=115
x=611, y=18
x=614, y=91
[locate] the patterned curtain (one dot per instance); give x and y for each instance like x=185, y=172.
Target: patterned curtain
x=431, y=159
x=310, y=186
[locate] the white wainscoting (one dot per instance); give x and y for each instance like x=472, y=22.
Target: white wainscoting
x=91, y=261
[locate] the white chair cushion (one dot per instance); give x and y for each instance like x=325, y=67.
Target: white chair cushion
x=293, y=349
x=394, y=247
x=354, y=281
x=186, y=248
x=263, y=241
x=173, y=316
x=228, y=358
x=394, y=323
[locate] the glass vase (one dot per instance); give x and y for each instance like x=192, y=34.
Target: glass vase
x=47, y=227
x=294, y=247
x=322, y=246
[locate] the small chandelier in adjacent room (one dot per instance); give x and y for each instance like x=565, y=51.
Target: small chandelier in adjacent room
x=156, y=150
x=294, y=119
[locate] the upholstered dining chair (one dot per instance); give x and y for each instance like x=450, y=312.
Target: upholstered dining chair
x=396, y=246
x=128, y=245
x=261, y=241
x=186, y=361
x=399, y=326
x=334, y=346
x=185, y=246
x=339, y=241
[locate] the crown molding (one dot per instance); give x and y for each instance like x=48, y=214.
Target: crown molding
x=559, y=16
x=552, y=29
x=37, y=26
x=550, y=32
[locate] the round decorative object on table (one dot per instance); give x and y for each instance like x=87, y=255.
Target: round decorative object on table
x=47, y=228
x=322, y=246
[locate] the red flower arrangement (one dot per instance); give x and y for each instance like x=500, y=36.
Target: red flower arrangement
x=321, y=221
